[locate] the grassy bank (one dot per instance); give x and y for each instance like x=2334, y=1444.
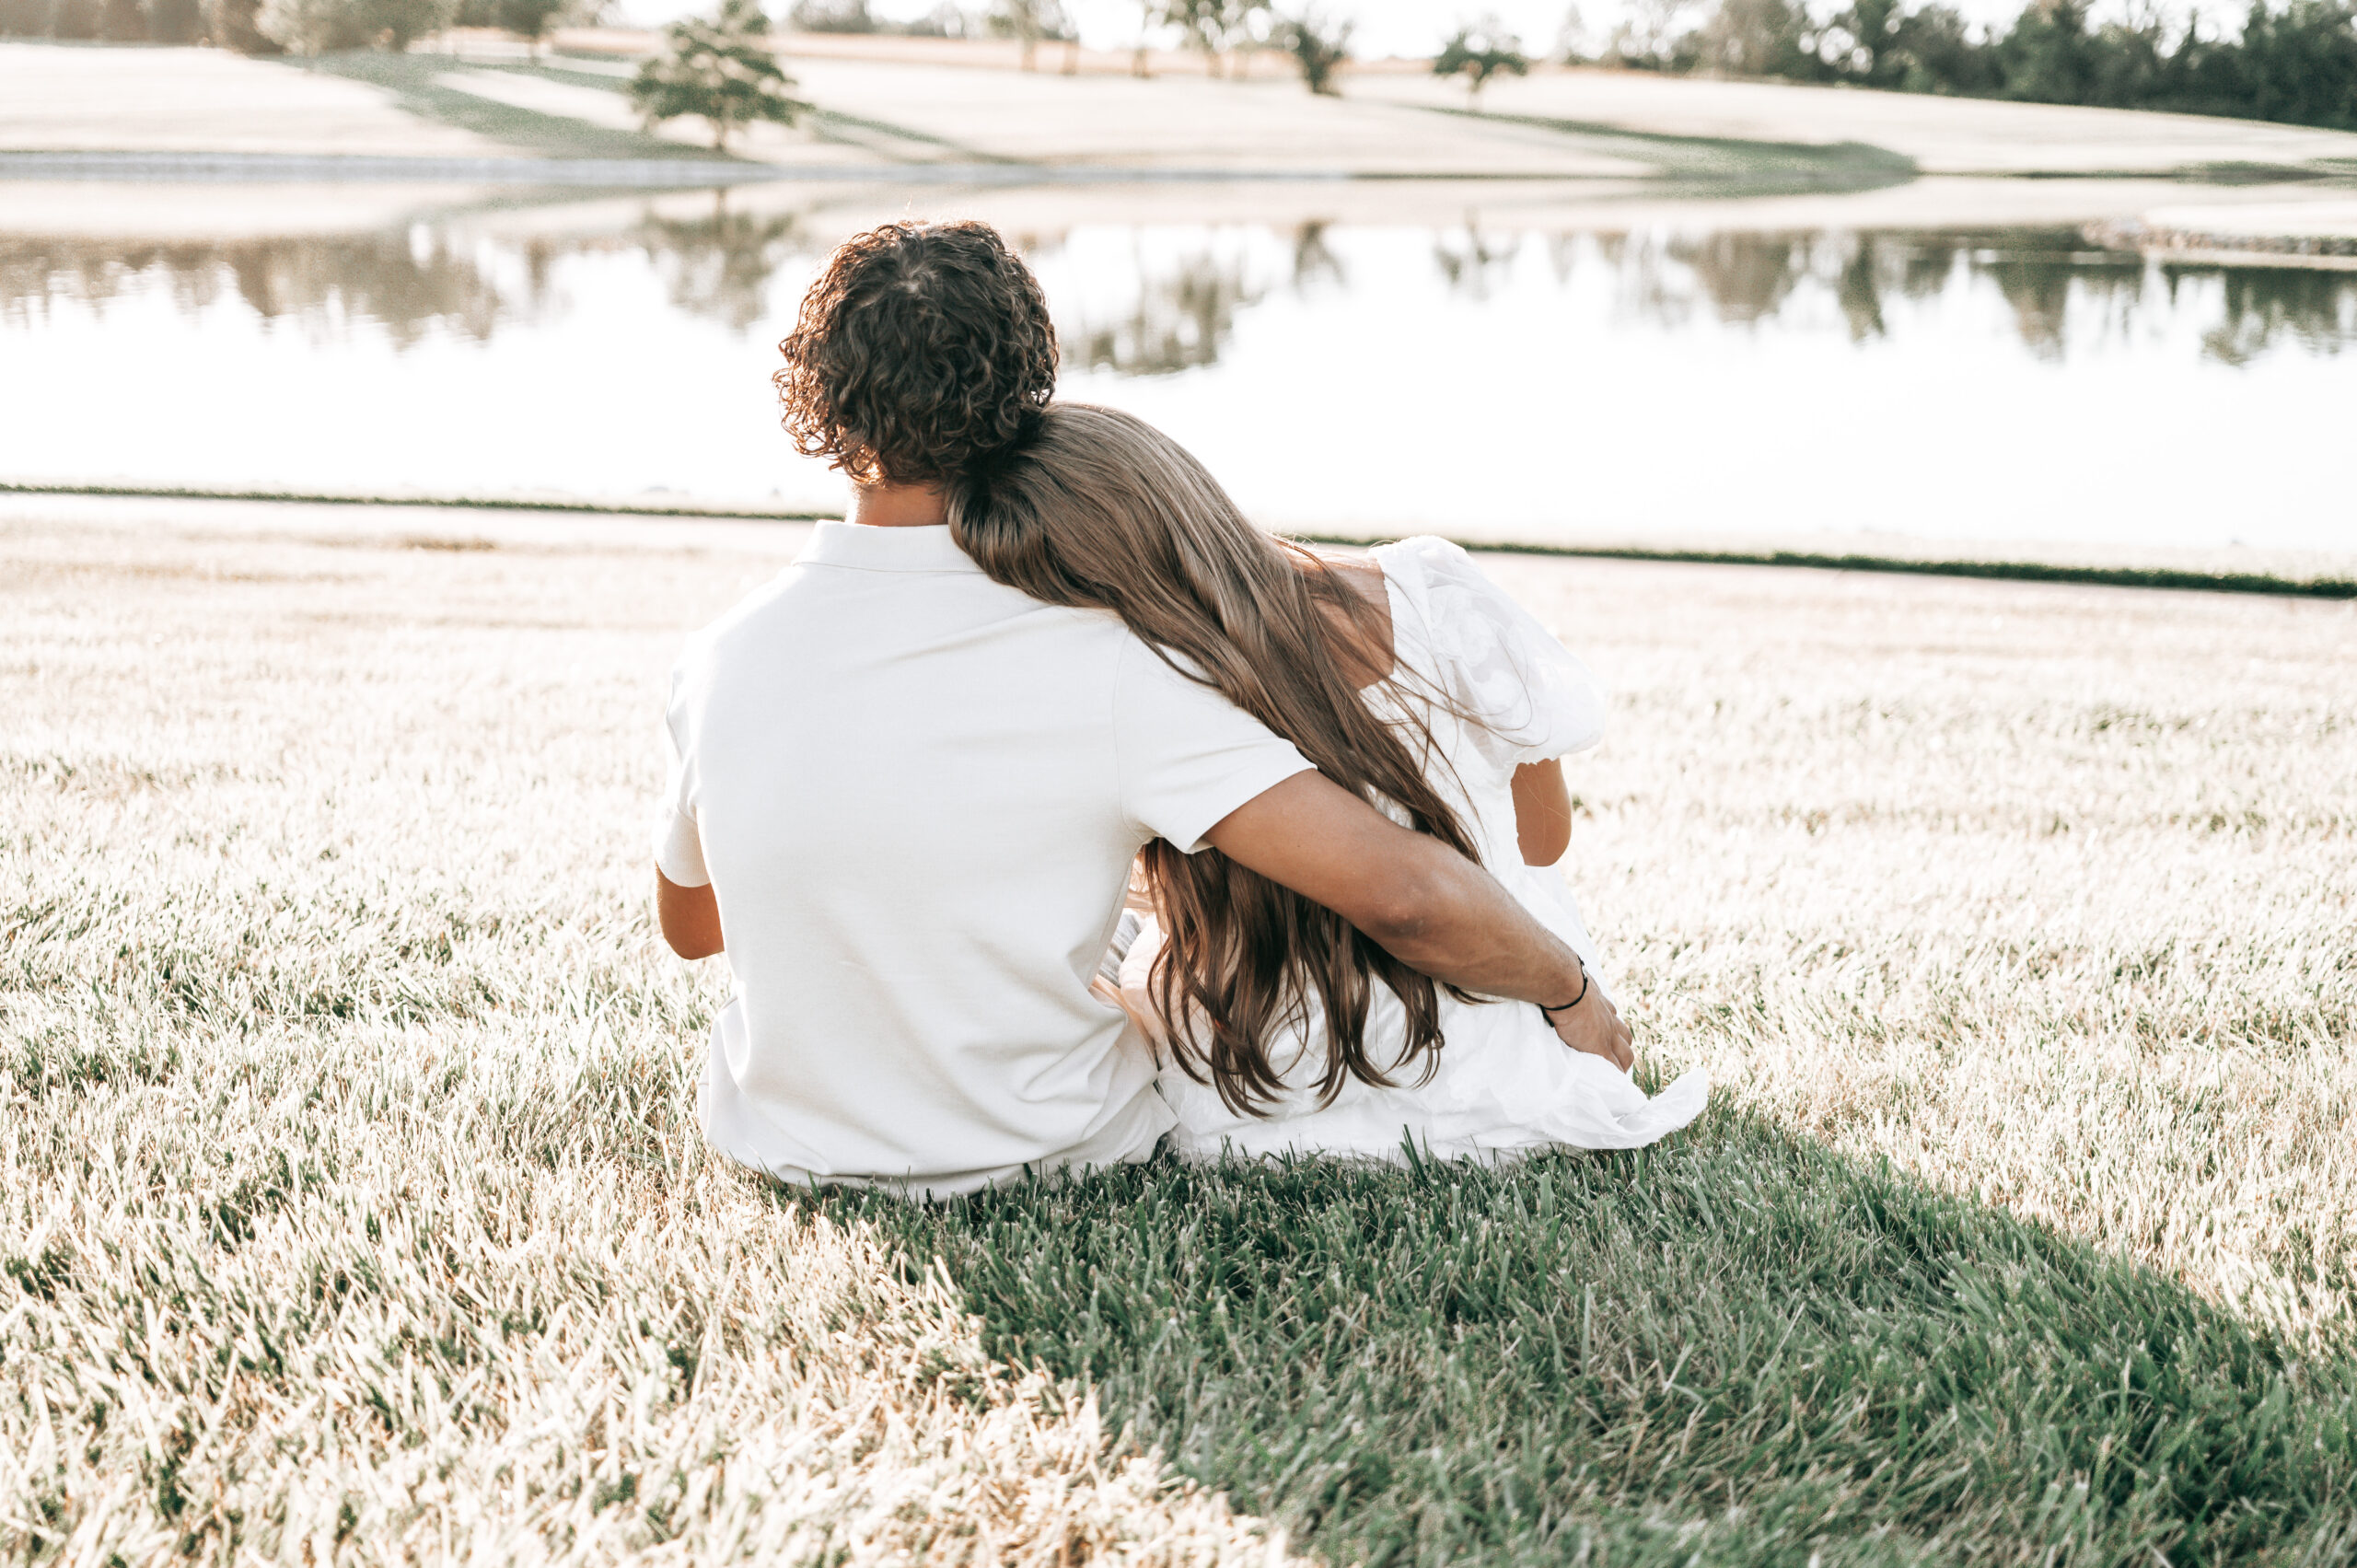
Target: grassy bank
x=353, y=1203
x=1996, y=565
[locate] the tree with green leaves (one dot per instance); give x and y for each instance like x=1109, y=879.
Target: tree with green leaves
x=1477, y=52
x=1319, y=47
x=722, y=68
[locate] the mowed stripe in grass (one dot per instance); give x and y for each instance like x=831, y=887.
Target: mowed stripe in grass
x=1737, y=1348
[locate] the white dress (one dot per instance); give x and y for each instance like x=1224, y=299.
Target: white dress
x=1501, y=1083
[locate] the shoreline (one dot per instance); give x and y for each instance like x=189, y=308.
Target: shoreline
x=1940, y=558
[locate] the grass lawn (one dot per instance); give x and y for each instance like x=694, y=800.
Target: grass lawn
x=351, y=1206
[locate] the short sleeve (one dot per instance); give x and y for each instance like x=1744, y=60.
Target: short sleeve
x=1187, y=755
x=1534, y=700
x=678, y=842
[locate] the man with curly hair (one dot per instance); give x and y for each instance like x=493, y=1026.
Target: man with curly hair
x=911, y=795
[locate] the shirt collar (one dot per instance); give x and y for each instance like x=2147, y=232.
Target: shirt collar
x=870, y=549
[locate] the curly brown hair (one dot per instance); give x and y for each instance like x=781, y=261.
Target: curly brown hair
x=922, y=350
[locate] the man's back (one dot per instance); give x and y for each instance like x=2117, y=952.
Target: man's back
x=917, y=794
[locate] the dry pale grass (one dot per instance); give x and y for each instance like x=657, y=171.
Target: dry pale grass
x=353, y=1208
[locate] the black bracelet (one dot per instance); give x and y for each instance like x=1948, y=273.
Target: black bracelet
x=1547, y=1012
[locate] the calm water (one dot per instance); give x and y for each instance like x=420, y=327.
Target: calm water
x=2012, y=384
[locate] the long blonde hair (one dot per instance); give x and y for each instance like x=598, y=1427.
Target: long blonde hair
x=1098, y=509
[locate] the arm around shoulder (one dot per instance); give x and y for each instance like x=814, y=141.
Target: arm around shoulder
x=1426, y=904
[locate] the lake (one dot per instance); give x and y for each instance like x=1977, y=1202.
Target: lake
x=1665, y=384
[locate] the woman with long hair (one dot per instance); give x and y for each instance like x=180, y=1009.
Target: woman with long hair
x=1406, y=677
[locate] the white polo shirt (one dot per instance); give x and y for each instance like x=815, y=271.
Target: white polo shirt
x=916, y=794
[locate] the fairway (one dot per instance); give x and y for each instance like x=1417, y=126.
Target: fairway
x=353, y=1208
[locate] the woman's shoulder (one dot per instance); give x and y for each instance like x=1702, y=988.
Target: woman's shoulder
x=1424, y=556
x=1441, y=580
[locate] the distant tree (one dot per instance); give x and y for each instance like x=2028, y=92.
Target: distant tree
x=1319, y=47
x=944, y=20
x=1028, y=21
x=2050, y=56
x=2300, y=64
x=120, y=22
x=174, y=21
x=1648, y=35
x=316, y=27
x=529, y=19
x=311, y=26
x=396, y=24
x=1215, y=27
x=1477, y=52
x=1758, y=38
x=1574, y=44
x=833, y=16
x=1149, y=18
x=723, y=68
x=236, y=24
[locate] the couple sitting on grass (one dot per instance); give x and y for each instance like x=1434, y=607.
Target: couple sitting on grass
x=1047, y=811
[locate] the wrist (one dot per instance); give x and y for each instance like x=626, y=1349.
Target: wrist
x=1548, y=1009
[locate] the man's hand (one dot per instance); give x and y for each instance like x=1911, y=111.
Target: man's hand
x=1595, y=1028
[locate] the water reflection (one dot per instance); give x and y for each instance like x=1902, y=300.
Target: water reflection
x=406, y=284
x=1316, y=267
x=1151, y=312
x=1471, y=262
x=2061, y=292
x=720, y=266
x=1182, y=316
x=2318, y=310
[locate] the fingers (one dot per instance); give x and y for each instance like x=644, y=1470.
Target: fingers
x=1596, y=1028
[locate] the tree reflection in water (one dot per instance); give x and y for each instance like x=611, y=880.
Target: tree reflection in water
x=2061, y=292
x=409, y=284
x=1182, y=319
x=1468, y=263
x=720, y=266
x=1315, y=266
x=2315, y=309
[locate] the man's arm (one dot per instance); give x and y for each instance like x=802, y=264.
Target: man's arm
x=690, y=917
x=1421, y=902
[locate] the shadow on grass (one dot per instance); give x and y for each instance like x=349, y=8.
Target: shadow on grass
x=1736, y=1348
x=1709, y=165
x=412, y=79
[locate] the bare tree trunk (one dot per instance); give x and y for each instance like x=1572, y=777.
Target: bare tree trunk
x=1031, y=51
x=1072, y=57
x=1138, y=66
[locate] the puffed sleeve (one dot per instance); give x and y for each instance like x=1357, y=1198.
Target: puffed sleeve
x=1498, y=663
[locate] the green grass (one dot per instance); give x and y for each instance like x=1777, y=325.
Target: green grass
x=1739, y=1348
x=352, y=1207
